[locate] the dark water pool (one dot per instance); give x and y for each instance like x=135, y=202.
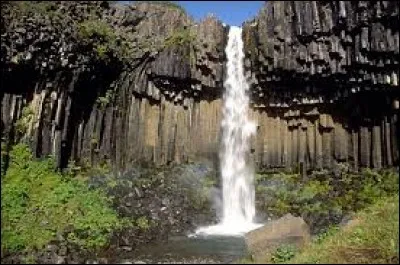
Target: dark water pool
x=182, y=249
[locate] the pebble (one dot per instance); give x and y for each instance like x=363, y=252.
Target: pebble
x=60, y=260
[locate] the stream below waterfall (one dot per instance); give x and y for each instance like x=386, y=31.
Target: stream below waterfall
x=188, y=250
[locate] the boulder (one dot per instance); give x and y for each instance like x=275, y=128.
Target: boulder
x=262, y=242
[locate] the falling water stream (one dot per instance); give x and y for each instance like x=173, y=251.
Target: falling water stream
x=237, y=177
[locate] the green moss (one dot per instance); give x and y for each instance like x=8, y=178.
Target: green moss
x=22, y=124
x=38, y=203
x=4, y=156
x=143, y=223
x=94, y=141
x=104, y=101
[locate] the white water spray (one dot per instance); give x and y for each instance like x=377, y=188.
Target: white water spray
x=237, y=177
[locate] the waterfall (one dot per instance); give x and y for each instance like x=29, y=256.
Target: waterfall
x=237, y=177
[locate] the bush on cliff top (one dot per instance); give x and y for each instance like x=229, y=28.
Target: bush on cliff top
x=168, y=4
x=27, y=8
x=99, y=35
x=39, y=203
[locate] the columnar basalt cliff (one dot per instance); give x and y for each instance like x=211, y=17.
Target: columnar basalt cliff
x=325, y=83
x=94, y=81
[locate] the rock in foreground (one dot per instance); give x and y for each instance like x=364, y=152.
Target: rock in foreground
x=262, y=242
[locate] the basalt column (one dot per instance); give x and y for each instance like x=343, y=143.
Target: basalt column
x=329, y=71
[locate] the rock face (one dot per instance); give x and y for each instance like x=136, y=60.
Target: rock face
x=93, y=81
x=324, y=82
x=288, y=230
x=81, y=99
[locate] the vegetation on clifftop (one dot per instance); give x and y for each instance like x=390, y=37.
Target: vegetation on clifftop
x=28, y=8
x=102, y=37
x=168, y=4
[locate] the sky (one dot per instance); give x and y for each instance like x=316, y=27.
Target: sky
x=232, y=13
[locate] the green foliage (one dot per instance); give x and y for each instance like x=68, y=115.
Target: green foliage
x=102, y=37
x=38, y=203
x=179, y=38
x=27, y=116
x=44, y=8
x=171, y=4
x=283, y=253
x=209, y=181
x=372, y=239
x=321, y=194
x=168, y=4
x=104, y=101
x=96, y=29
x=332, y=230
x=183, y=40
x=199, y=198
x=143, y=223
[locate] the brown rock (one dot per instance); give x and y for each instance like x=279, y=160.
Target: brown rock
x=262, y=242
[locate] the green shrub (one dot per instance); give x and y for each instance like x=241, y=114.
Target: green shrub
x=330, y=231
x=38, y=203
x=283, y=253
x=103, y=38
x=96, y=29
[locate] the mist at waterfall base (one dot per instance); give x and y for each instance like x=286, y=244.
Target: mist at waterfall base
x=238, y=196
